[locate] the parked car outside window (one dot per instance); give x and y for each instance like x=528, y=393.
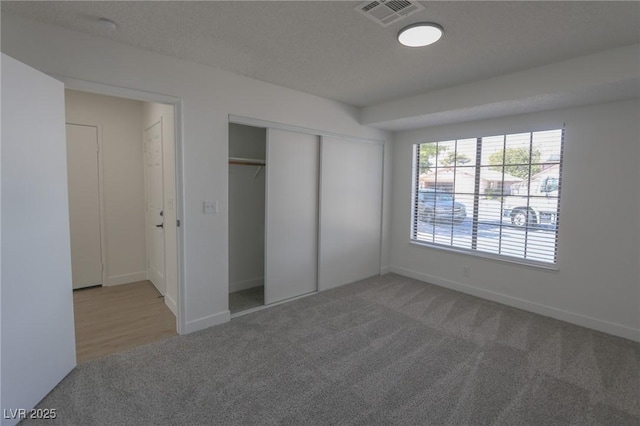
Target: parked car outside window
x=439, y=206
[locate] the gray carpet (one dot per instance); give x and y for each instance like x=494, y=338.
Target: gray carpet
x=383, y=351
x=246, y=299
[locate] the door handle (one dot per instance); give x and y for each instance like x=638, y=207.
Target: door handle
x=160, y=226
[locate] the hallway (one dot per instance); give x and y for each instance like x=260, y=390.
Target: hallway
x=113, y=319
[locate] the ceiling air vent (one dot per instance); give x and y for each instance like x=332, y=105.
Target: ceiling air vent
x=386, y=12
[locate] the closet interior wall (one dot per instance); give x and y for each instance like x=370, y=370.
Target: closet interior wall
x=246, y=206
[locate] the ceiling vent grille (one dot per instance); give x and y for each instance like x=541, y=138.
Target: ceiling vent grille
x=386, y=12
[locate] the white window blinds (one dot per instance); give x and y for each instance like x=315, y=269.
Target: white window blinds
x=498, y=195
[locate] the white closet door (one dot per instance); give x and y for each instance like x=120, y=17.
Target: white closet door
x=351, y=211
x=291, y=234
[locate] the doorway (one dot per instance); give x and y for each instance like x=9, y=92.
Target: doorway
x=122, y=198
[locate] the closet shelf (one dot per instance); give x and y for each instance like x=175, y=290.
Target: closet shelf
x=247, y=161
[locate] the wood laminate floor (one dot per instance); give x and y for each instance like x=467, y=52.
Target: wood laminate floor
x=113, y=319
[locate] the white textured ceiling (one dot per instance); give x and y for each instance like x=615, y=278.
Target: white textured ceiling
x=330, y=50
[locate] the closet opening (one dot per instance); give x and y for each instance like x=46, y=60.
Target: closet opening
x=305, y=212
x=247, y=161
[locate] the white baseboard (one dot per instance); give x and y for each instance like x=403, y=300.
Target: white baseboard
x=330, y=286
x=549, y=311
x=243, y=285
x=385, y=270
x=171, y=304
x=206, y=322
x=125, y=278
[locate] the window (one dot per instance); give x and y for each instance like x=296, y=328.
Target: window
x=496, y=195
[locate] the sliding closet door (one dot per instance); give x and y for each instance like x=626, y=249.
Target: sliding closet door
x=350, y=211
x=291, y=235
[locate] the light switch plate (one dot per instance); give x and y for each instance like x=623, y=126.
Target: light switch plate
x=210, y=207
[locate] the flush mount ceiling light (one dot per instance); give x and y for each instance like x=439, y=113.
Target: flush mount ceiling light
x=420, y=34
x=107, y=24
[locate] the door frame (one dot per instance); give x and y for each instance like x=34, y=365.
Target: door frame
x=139, y=95
x=103, y=234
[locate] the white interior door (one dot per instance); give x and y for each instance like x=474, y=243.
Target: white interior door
x=350, y=212
x=84, y=205
x=291, y=234
x=38, y=341
x=155, y=202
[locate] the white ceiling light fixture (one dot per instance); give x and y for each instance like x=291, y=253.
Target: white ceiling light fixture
x=420, y=34
x=107, y=24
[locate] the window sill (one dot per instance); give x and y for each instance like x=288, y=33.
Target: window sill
x=488, y=256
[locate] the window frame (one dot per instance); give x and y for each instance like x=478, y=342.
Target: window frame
x=475, y=252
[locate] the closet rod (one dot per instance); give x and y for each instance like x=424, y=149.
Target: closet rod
x=247, y=161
